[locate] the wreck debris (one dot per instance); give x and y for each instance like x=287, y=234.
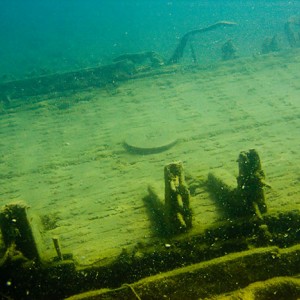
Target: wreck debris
x=247, y=198
x=124, y=67
x=17, y=232
x=173, y=215
x=138, y=58
x=228, y=50
x=250, y=273
x=240, y=238
x=178, y=53
x=177, y=199
x=57, y=247
x=251, y=181
x=150, y=140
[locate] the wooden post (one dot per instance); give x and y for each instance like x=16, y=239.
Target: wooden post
x=177, y=200
x=251, y=182
x=16, y=230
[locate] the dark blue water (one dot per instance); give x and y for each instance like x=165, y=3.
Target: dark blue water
x=57, y=35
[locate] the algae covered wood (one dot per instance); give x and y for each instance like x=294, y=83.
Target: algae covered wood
x=149, y=141
x=251, y=181
x=207, y=279
x=18, y=234
x=177, y=199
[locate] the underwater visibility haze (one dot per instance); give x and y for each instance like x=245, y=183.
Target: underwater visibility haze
x=149, y=149
x=39, y=37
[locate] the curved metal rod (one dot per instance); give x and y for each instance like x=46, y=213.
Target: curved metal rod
x=178, y=53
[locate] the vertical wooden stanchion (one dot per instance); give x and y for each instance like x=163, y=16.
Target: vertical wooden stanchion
x=16, y=230
x=251, y=182
x=177, y=200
